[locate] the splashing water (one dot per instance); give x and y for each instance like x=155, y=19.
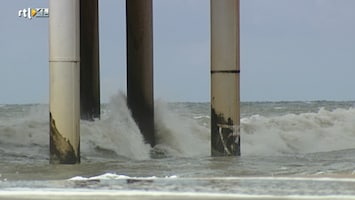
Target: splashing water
x=182, y=130
x=117, y=132
x=277, y=139
x=302, y=133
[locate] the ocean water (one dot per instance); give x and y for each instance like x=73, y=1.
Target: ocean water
x=290, y=150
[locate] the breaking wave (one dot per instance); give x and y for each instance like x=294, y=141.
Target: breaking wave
x=321, y=131
x=24, y=132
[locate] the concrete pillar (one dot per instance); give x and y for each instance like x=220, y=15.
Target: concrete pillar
x=140, y=97
x=225, y=61
x=89, y=60
x=64, y=54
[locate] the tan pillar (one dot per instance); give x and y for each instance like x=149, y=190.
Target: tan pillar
x=225, y=61
x=64, y=64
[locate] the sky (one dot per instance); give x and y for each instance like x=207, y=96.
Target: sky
x=290, y=50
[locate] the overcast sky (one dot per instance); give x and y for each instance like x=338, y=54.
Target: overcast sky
x=290, y=50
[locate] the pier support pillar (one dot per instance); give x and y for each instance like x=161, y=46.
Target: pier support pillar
x=89, y=60
x=64, y=54
x=140, y=97
x=225, y=97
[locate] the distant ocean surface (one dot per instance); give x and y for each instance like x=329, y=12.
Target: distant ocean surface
x=290, y=150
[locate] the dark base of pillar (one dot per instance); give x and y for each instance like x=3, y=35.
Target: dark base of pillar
x=224, y=140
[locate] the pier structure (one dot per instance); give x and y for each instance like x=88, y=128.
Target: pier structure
x=75, y=81
x=225, y=71
x=89, y=60
x=140, y=96
x=64, y=67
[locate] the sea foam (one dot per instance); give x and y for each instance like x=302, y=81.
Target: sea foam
x=25, y=132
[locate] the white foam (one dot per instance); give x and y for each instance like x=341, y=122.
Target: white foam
x=116, y=131
x=304, y=133
x=134, y=194
x=113, y=176
x=202, y=117
x=106, y=176
x=180, y=136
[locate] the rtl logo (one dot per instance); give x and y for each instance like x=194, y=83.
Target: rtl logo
x=33, y=12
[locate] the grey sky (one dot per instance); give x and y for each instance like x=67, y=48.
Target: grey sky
x=290, y=50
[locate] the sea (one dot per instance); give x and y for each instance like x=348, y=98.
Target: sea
x=289, y=150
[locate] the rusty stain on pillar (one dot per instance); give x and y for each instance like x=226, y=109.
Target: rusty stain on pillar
x=140, y=97
x=64, y=64
x=225, y=69
x=89, y=60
